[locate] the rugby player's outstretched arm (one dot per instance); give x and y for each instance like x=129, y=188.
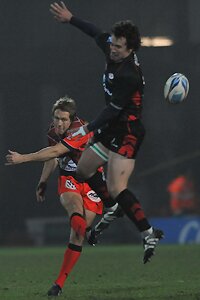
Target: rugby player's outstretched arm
x=62, y=14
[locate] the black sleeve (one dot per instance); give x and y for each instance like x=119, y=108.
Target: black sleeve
x=86, y=27
x=109, y=112
x=103, y=41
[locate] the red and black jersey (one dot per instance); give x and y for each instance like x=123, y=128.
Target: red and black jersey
x=68, y=162
x=123, y=82
x=54, y=138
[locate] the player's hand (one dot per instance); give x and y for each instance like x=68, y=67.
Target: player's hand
x=13, y=158
x=79, y=132
x=60, y=12
x=40, y=191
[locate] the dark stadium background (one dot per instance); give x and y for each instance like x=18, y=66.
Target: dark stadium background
x=41, y=60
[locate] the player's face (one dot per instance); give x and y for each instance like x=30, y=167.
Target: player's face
x=118, y=49
x=61, y=121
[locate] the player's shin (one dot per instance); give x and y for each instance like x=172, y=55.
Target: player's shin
x=132, y=208
x=71, y=256
x=73, y=252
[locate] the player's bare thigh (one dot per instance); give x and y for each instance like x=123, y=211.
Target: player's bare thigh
x=89, y=216
x=118, y=172
x=72, y=202
x=91, y=159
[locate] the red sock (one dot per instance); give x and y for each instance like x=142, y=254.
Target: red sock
x=71, y=256
x=78, y=224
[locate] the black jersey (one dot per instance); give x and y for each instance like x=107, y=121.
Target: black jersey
x=123, y=82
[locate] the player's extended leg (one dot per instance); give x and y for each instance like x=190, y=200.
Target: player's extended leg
x=73, y=203
x=119, y=170
x=91, y=159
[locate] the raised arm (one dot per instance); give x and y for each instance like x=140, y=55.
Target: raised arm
x=62, y=14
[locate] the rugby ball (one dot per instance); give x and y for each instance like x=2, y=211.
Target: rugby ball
x=176, y=88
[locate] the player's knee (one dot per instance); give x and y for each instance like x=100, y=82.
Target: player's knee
x=84, y=172
x=114, y=190
x=78, y=224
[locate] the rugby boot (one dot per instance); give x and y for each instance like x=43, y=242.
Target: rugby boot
x=150, y=242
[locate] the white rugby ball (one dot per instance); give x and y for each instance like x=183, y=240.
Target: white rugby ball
x=176, y=88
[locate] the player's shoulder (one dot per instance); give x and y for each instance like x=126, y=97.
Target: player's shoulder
x=104, y=37
x=103, y=41
x=77, y=122
x=130, y=70
x=76, y=144
x=52, y=137
x=131, y=63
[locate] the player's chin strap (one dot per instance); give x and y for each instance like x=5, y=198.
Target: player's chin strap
x=81, y=131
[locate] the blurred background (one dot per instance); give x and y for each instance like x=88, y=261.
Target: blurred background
x=42, y=60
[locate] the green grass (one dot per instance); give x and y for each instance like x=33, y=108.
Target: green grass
x=103, y=273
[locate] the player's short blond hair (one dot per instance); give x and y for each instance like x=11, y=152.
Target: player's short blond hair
x=65, y=104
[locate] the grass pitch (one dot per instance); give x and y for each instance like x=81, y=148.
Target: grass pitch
x=103, y=273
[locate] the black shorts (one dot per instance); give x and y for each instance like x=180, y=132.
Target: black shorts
x=123, y=138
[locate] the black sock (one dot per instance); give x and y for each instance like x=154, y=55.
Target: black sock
x=97, y=183
x=132, y=208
